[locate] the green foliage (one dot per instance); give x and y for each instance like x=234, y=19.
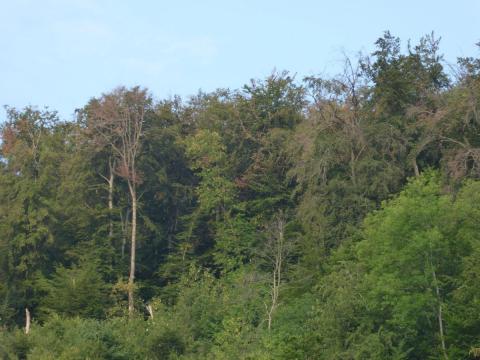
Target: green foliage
x=376, y=250
x=235, y=240
x=215, y=191
x=77, y=338
x=76, y=291
x=382, y=298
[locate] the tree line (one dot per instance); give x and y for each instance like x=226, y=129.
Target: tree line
x=317, y=218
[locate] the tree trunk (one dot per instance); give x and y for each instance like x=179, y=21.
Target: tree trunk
x=125, y=225
x=352, y=167
x=415, y=167
x=440, y=316
x=131, y=278
x=27, y=321
x=111, y=179
x=278, y=254
x=150, y=311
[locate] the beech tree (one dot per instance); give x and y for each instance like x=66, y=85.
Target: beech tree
x=118, y=118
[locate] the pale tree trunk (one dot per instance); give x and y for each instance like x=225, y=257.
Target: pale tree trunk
x=125, y=227
x=415, y=167
x=110, y=198
x=150, y=311
x=274, y=295
x=352, y=167
x=131, y=278
x=440, y=316
x=278, y=251
x=110, y=182
x=27, y=321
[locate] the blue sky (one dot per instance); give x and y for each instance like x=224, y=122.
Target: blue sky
x=62, y=52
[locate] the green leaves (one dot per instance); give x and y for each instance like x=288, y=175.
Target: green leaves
x=76, y=291
x=398, y=285
x=215, y=191
x=363, y=263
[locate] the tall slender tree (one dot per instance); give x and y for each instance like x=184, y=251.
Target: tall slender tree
x=118, y=118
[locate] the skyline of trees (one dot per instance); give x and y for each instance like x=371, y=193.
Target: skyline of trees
x=322, y=218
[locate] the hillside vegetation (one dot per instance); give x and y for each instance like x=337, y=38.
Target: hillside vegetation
x=316, y=218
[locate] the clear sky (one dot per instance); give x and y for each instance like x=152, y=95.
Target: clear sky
x=62, y=52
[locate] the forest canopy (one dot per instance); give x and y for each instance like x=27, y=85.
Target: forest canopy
x=317, y=218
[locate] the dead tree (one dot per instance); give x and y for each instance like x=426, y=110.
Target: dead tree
x=338, y=106
x=276, y=251
x=118, y=118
